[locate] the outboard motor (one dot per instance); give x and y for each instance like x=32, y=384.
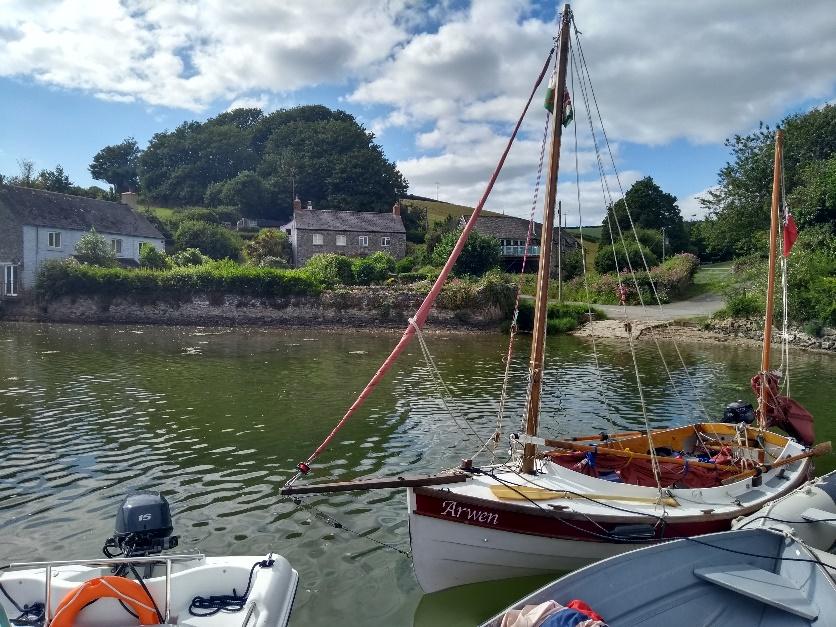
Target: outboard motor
x=739, y=412
x=143, y=526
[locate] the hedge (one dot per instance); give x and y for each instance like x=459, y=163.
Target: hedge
x=67, y=278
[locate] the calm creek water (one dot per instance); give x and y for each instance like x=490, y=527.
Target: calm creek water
x=216, y=419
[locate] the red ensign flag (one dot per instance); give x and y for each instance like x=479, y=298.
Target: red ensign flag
x=790, y=234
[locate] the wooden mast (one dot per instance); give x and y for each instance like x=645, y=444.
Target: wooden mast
x=542, y=299
x=770, y=286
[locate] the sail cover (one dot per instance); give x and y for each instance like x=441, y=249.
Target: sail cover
x=783, y=412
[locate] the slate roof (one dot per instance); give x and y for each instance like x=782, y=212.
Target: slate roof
x=364, y=221
x=36, y=207
x=510, y=227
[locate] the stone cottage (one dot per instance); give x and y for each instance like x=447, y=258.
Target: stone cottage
x=353, y=233
x=36, y=225
x=512, y=232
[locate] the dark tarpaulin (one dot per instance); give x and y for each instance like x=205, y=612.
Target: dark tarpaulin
x=784, y=413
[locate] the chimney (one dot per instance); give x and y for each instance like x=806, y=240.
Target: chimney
x=396, y=208
x=310, y=205
x=297, y=204
x=131, y=199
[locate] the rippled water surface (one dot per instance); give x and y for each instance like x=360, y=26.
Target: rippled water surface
x=216, y=419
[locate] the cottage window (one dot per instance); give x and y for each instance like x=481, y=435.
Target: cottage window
x=341, y=240
x=10, y=281
x=116, y=246
x=384, y=241
x=53, y=239
x=317, y=239
x=363, y=240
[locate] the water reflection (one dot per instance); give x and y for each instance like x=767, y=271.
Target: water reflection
x=217, y=419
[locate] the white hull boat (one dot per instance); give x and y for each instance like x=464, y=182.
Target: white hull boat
x=137, y=583
x=268, y=602
x=471, y=531
x=756, y=578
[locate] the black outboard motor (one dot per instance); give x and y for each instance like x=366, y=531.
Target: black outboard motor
x=143, y=526
x=739, y=412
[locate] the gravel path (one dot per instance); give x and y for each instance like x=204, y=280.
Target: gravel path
x=703, y=305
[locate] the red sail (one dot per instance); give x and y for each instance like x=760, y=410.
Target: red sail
x=782, y=412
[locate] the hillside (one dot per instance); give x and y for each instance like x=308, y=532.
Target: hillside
x=439, y=210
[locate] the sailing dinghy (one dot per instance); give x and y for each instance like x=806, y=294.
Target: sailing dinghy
x=138, y=584
x=740, y=577
x=557, y=505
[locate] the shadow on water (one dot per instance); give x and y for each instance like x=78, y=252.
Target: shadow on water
x=217, y=419
x=466, y=606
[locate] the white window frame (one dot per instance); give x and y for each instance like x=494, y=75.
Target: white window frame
x=363, y=241
x=317, y=239
x=53, y=240
x=385, y=242
x=341, y=240
x=10, y=280
x=117, y=245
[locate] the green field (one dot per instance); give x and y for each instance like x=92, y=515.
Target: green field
x=438, y=210
x=592, y=233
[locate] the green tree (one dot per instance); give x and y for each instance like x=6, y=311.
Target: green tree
x=117, y=165
x=211, y=239
x=739, y=206
x=375, y=268
x=480, y=253
x=54, y=180
x=269, y=243
x=153, y=258
x=247, y=192
x=650, y=208
x=93, y=249
x=814, y=200
x=605, y=261
x=330, y=269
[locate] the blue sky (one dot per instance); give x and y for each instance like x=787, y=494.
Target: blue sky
x=440, y=83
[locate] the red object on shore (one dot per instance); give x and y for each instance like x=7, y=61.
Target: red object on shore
x=790, y=234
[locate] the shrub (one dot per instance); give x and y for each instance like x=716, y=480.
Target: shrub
x=273, y=262
x=375, y=268
x=212, y=240
x=744, y=305
x=814, y=328
x=330, y=269
x=572, y=264
x=605, y=261
x=407, y=264
x=189, y=257
x=153, y=258
x=480, y=253
x=95, y=250
x=561, y=317
x=492, y=290
x=268, y=243
x=62, y=278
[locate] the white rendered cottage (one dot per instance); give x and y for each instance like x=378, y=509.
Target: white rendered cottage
x=36, y=225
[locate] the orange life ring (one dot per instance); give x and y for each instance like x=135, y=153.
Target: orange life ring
x=107, y=587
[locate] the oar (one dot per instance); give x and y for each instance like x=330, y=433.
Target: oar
x=524, y=493
x=819, y=449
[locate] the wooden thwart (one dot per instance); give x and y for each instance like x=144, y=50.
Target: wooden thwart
x=524, y=493
x=376, y=482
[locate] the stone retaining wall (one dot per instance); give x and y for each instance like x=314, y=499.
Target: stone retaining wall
x=356, y=308
x=753, y=329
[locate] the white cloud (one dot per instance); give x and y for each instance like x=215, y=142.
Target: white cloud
x=690, y=206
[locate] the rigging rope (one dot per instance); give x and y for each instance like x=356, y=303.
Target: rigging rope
x=421, y=315
x=685, y=369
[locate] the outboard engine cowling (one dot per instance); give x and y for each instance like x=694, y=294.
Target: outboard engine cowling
x=739, y=412
x=143, y=526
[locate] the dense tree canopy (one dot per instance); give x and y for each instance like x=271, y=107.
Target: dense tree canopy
x=117, y=165
x=257, y=162
x=55, y=180
x=480, y=253
x=739, y=207
x=650, y=208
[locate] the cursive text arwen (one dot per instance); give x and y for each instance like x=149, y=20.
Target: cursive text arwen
x=451, y=508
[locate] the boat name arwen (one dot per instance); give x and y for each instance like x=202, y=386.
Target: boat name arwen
x=451, y=508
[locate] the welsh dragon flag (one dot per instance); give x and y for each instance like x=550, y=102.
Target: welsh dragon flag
x=568, y=111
